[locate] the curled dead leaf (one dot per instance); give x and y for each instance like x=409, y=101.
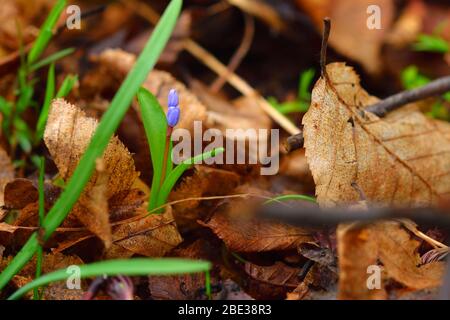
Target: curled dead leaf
x=67, y=135
x=401, y=159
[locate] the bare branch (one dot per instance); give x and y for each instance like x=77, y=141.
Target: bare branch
x=294, y=142
x=434, y=88
x=302, y=215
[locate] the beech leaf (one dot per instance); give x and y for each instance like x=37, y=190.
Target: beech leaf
x=401, y=159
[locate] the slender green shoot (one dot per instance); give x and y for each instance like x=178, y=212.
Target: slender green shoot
x=129, y=267
x=49, y=94
x=46, y=32
x=303, y=99
x=288, y=197
x=155, y=125
x=40, y=252
x=67, y=85
x=51, y=59
x=105, y=130
x=208, y=284
x=177, y=172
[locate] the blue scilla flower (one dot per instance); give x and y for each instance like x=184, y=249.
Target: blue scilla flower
x=173, y=111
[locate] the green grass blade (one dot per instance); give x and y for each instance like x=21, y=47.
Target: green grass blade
x=46, y=32
x=155, y=125
x=129, y=267
x=208, y=284
x=105, y=130
x=24, y=101
x=67, y=85
x=51, y=59
x=40, y=253
x=5, y=107
x=288, y=197
x=431, y=43
x=49, y=94
x=306, y=79
x=176, y=173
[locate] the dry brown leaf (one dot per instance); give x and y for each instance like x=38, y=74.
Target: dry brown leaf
x=6, y=227
x=204, y=182
x=6, y=174
x=19, y=193
x=244, y=234
x=50, y=262
x=185, y=286
x=401, y=159
x=67, y=135
x=401, y=260
x=346, y=17
x=271, y=282
x=278, y=274
x=152, y=236
x=357, y=249
x=387, y=242
x=92, y=207
x=117, y=63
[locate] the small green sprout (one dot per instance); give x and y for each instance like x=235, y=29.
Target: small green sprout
x=288, y=197
x=303, y=99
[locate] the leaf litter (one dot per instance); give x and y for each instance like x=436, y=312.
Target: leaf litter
x=397, y=161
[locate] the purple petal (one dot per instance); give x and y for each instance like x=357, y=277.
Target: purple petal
x=173, y=98
x=173, y=116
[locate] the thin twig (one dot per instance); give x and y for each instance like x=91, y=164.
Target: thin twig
x=239, y=55
x=323, y=49
x=294, y=142
x=317, y=217
x=434, y=88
